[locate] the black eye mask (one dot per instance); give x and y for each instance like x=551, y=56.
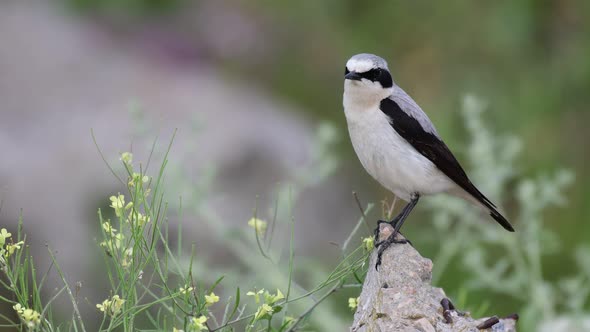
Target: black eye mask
x=379, y=75
x=375, y=75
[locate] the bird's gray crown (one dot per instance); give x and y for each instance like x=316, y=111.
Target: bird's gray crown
x=364, y=62
x=370, y=69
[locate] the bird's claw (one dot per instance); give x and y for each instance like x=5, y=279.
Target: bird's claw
x=383, y=245
x=377, y=230
x=396, y=223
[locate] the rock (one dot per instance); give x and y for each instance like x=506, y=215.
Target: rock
x=399, y=297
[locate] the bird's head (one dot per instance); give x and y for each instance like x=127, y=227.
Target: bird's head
x=367, y=78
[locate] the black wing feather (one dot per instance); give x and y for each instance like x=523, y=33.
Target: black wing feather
x=435, y=150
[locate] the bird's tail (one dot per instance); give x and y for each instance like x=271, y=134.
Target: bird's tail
x=500, y=219
x=484, y=203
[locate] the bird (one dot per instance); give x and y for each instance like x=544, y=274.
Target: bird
x=399, y=146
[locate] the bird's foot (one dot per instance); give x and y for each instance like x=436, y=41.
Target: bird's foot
x=383, y=245
x=377, y=232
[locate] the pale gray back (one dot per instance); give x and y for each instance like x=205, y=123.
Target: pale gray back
x=408, y=105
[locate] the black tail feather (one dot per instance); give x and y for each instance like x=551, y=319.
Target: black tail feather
x=475, y=193
x=501, y=220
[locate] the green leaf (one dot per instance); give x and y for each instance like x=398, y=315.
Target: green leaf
x=236, y=305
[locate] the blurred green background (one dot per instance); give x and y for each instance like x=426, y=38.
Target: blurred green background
x=528, y=60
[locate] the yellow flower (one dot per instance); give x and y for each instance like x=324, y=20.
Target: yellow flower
x=3, y=236
x=126, y=158
x=30, y=317
x=11, y=248
x=118, y=240
x=186, y=289
x=18, y=308
x=112, y=306
x=136, y=178
x=113, y=244
x=255, y=294
x=353, y=302
x=138, y=218
x=108, y=228
x=127, y=258
x=268, y=297
x=211, y=299
x=143, y=219
x=118, y=204
x=369, y=243
x=198, y=323
x=271, y=299
x=262, y=311
x=259, y=225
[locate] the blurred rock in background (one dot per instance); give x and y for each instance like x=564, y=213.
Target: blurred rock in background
x=60, y=76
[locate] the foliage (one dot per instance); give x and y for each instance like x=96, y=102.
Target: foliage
x=156, y=286
x=504, y=263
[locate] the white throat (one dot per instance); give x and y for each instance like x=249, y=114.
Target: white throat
x=363, y=95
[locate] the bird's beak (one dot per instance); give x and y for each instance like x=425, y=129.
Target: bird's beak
x=353, y=76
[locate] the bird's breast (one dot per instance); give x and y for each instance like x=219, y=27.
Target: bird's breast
x=389, y=158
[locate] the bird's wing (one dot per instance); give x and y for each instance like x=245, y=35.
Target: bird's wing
x=411, y=108
x=415, y=127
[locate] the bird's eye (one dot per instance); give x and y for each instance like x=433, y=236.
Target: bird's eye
x=376, y=73
x=346, y=71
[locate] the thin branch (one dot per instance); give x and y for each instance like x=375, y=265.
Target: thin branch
x=360, y=206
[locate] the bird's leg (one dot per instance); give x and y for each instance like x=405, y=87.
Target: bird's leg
x=399, y=219
x=397, y=223
x=393, y=224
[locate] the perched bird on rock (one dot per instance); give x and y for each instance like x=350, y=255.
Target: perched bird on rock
x=398, y=145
